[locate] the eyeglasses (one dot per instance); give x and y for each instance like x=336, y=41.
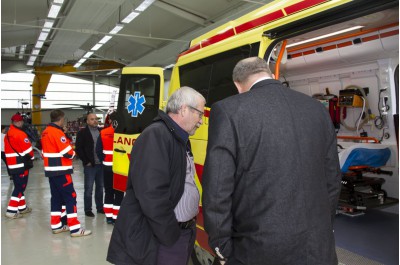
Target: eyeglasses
x=201, y=113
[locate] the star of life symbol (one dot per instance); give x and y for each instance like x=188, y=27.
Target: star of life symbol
x=136, y=102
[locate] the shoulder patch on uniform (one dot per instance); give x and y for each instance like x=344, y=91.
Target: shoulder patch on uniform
x=63, y=139
x=26, y=140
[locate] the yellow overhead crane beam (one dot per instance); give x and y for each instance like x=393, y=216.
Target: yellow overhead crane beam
x=43, y=75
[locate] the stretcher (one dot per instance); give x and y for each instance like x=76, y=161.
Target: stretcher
x=361, y=191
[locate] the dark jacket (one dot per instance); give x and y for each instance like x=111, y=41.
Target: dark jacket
x=271, y=178
x=84, y=146
x=155, y=185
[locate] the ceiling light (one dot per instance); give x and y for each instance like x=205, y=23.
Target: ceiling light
x=81, y=61
x=117, y=28
x=35, y=51
x=130, y=17
x=96, y=47
x=324, y=36
x=77, y=65
x=54, y=10
x=105, y=39
x=22, y=51
x=144, y=5
x=169, y=66
x=48, y=24
x=58, y=2
x=88, y=54
x=43, y=36
x=113, y=71
x=31, y=60
x=39, y=44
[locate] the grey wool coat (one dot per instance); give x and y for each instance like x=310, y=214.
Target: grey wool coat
x=271, y=179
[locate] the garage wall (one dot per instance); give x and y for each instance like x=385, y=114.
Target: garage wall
x=69, y=114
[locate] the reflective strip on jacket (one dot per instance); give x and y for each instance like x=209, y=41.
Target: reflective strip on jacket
x=57, y=152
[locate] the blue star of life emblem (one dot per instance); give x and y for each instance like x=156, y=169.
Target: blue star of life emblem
x=136, y=102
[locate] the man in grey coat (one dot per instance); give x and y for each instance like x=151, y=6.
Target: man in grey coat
x=271, y=179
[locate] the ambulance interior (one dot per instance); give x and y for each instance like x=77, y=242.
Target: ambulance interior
x=353, y=71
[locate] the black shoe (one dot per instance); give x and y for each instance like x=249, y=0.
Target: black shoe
x=89, y=213
x=100, y=211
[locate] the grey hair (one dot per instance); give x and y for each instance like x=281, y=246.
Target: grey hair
x=183, y=96
x=249, y=66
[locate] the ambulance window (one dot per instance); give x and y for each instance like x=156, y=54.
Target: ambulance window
x=212, y=76
x=148, y=86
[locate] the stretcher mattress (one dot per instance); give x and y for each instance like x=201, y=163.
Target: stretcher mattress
x=372, y=155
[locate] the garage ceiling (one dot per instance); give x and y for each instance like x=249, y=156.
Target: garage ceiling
x=154, y=38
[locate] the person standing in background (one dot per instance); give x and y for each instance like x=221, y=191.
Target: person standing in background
x=271, y=179
x=112, y=197
x=85, y=147
x=3, y=154
x=58, y=155
x=16, y=146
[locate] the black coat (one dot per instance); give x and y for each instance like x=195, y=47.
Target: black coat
x=271, y=179
x=84, y=146
x=155, y=185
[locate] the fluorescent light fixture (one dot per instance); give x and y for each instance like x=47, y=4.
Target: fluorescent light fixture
x=54, y=10
x=324, y=36
x=48, y=24
x=22, y=51
x=35, y=51
x=169, y=66
x=117, y=28
x=31, y=60
x=39, y=44
x=43, y=36
x=88, y=54
x=105, y=39
x=144, y=5
x=113, y=71
x=58, y=2
x=130, y=17
x=79, y=63
x=96, y=47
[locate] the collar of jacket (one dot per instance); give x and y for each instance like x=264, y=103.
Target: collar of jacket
x=16, y=128
x=55, y=126
x=265, y=82
x=176, y=130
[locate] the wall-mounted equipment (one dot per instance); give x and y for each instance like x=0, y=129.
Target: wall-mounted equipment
x=350, y=98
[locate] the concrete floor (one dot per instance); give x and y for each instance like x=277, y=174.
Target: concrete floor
x=29, y=240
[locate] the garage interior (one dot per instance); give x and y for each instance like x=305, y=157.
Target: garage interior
x=92, y=40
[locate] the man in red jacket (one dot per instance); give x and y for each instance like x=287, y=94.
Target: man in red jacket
x=57, y=156
x=16, y=146
x=112, y=197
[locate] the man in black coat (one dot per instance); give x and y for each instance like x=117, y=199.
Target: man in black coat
x=271, y=178
x=85, y=147
x=156, y=222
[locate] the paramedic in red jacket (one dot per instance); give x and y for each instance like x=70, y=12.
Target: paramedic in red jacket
x=16, y=146
x=112, y=197
x=58, y=156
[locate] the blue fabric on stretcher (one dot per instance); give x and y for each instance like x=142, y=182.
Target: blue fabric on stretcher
x=366, y=157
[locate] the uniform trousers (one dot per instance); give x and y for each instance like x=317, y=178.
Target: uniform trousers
x=179, y=253
x=63, y=192
x=17, y=200
x=112, y=197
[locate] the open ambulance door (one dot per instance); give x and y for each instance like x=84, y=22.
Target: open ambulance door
x=140, y=97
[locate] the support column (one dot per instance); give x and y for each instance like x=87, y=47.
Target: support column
x=39, y=87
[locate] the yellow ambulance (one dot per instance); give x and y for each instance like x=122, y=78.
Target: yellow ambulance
x=310, y=45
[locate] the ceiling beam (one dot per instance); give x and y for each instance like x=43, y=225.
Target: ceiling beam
x=198, y=19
